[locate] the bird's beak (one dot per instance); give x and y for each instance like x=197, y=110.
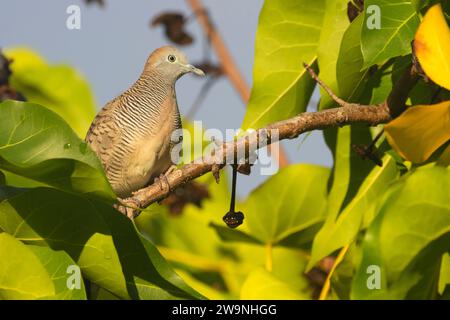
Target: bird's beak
x=195, y=70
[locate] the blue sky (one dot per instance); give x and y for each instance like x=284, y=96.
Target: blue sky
x=114, y=42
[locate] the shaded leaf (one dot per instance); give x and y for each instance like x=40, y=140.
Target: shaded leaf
x=398, y=22
x=419, y=131
x=408, y=237
x=432, y=46
x=103, y=242
x=288, y=34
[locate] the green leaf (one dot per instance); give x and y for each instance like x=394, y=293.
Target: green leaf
x=262, y=285
x=444, y=279
x=56, y=263
x=408, y=237
x=64, y=90
x=350, y=79
x=398, y=23
x=334, y=26
x=22, y=275
x=37, y=144
x=300, y=202
x=2, y=178
x=339, y=231
x=104, y=243
x=227, y=234
x=288, y=34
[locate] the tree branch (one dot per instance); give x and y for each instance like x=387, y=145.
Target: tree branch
x=348, y=113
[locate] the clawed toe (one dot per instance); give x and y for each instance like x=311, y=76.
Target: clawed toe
x=128, y=207
x=163, y=182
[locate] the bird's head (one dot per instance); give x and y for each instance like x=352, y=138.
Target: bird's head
x=171, y=62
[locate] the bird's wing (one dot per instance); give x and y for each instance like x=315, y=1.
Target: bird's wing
x=104, y=134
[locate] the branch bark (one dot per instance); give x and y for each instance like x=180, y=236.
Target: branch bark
x=347, y=113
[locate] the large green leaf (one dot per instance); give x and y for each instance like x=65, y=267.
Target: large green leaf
x=58, y=87
x=104, y=243
x=298, y=203
x=22, y=275
x=37, y=144
x=57, y=263
x=408, y=237
x=398, y=23
x=335, y=23
x=288, y=34
x=339, y=231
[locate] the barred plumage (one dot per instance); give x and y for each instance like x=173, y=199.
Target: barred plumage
x=131, y=135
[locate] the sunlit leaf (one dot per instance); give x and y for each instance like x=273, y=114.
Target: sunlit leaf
x=288, y=34
x=22, y=275
x=444, y=278
x=64, y=90
x=432, y=46
x=262, y=285
x=419, y=131
x=335, y=23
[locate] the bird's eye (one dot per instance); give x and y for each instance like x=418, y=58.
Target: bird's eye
x=171, y=58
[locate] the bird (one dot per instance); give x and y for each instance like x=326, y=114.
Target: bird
x=131, y=135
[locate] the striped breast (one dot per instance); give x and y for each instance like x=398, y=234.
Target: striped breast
x=145, y=116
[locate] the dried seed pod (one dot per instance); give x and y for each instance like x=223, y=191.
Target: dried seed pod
x=173, y=23
x=354, y=8
x=5, y=70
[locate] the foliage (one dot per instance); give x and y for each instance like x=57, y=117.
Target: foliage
x=56, y=206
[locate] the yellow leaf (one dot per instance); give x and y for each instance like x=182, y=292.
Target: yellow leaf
x=432, y=46
x=419, y=131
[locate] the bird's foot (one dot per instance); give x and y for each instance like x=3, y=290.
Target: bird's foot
x=163, y=182
x=129, y=207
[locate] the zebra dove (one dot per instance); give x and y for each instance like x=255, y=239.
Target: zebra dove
x=131, y=135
